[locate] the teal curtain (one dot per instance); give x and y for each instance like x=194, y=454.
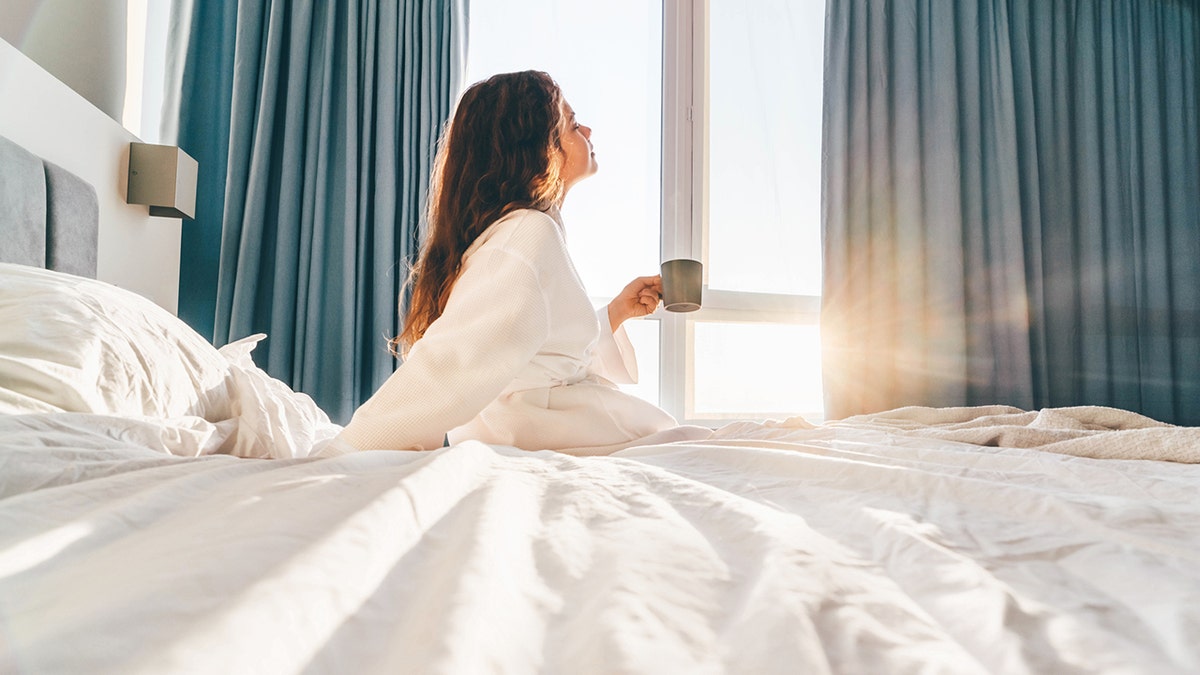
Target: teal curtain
x=315, y=125
x=1011, y=205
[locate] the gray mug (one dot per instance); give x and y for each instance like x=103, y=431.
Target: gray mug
x=682, y=283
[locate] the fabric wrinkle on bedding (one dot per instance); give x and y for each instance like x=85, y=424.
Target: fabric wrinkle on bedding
x=1087, y=431
x=1176, y=561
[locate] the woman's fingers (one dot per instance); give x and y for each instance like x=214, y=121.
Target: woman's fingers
x=640, y=283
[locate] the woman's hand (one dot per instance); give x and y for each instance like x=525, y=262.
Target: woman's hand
x=640, y=297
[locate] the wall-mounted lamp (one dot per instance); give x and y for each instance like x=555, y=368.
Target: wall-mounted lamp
x=164, y=177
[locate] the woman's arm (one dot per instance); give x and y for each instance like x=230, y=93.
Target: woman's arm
x=615, y=359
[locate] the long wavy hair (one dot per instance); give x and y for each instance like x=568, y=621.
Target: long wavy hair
x=501, y=151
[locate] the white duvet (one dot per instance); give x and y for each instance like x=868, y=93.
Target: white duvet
x=838, y=549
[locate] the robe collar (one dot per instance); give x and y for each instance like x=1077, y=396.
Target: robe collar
x=556, y=215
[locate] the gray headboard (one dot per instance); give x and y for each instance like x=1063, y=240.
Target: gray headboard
x=49, y=217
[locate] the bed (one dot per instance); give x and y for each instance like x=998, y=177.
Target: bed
x=164, y=507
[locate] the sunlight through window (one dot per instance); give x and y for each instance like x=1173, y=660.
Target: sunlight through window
x=756, y=370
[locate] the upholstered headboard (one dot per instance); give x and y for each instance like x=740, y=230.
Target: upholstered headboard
x=49, y=217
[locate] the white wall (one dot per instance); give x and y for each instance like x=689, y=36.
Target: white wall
x=51, y=120
x=80, y=42
x=113, y=52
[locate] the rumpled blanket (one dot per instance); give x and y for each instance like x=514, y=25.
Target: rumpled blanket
x=1083, y=431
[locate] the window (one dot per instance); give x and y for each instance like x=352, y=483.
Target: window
x=763, y=158
x=707, y=126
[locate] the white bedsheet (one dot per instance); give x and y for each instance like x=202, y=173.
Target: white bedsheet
x=764, y=549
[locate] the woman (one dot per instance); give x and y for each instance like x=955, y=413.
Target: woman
x=500, y=341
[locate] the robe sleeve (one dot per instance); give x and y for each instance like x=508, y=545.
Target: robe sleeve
x=615, y=359
x=494, y=323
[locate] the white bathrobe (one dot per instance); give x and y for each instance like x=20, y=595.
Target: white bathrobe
x=519, y=357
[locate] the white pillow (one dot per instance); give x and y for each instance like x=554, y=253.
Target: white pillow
x=70, y=344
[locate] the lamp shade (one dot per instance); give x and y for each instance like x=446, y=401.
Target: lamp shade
x=164, y=177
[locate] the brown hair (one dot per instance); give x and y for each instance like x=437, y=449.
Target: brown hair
x=500, y=152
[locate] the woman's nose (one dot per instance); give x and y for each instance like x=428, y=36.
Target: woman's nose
x=587, y=131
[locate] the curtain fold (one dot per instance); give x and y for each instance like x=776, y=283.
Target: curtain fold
x=1011, y=205
x=320, y=120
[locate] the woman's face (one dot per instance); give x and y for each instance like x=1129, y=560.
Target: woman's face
x=579, y=161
